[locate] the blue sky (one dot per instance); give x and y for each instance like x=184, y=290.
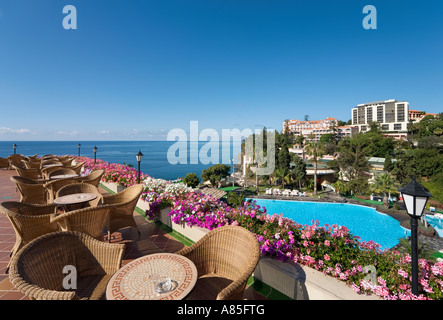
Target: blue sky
x=133, y=70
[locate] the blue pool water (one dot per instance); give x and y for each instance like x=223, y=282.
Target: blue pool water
x=362, y=221
x=436, y=223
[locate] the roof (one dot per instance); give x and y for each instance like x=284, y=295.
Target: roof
x=216, y=193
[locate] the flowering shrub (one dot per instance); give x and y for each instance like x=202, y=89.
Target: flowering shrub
x=332, y=250
x=113, y=172
x=160, y=194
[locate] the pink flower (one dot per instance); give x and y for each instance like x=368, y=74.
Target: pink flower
x=326, y=257
x=327, y=243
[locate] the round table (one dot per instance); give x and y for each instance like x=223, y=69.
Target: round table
x=76, y=198
x=135, y=280
x=64, y=176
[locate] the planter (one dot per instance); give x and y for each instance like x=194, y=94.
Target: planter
x=304, y=283
x=194, y=233
x=114, y=187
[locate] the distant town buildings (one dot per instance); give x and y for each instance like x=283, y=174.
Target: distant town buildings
x=312, y=130
x=417, y=116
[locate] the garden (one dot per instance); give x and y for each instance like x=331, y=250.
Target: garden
x=331, y=249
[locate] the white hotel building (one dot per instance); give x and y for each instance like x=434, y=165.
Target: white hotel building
x=392, y=115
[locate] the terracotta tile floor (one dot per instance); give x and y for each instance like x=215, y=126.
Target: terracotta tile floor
x=151, y=240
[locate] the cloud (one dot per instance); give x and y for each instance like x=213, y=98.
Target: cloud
x=103, y=132
x=71, y=133
x=5, y=130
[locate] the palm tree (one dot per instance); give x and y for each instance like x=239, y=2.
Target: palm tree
x=316, y=151
x=280, y=173
x=385, y=184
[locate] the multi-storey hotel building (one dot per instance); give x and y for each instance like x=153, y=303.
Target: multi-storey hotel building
x=392, y=115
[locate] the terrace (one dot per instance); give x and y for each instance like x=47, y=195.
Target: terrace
x=153, y=239
x=305, y=276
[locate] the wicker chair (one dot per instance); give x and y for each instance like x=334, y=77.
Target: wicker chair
x=54, y=185
x=91, y=220
x=66, y=162
x=46, y=171
x=48, y=162
x=31, y=164
x=225, y=259
x=28, y=220
x=31, y=191
x=93, y=178
x=38, y=270
x=123, y=214
x=27, y=173
x=16, y=160
x=4, y=162
x=60, y=171
x=81, y=188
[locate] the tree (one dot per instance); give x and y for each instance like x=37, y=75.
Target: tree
x=352, y=160
x=191, y=180
x=280, y=173
x=299, y=169
x=215, y=173
x=316, y=151
x=386, y=185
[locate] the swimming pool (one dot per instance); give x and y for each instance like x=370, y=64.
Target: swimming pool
x=362, y=221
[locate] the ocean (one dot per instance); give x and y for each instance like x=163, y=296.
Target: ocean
x=155, y=162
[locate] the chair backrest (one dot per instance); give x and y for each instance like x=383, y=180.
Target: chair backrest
x=38, y=269
x=81, y=188
x=28, y=220
x=30, y=190
x=125, y=202
x=231, y=251
x=27, y=173
x=4, y=162
x=93, y=178
x=54, y=185
x=91, y=220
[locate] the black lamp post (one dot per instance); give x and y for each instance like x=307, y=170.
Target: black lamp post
x=95, y=154
x=415, y=197
x=139, y=159
x=14, y=146
x=79, y=145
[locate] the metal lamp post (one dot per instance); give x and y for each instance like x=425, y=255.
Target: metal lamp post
x=14, y=146
x=233, y=172
x=139, y=159
x=95, y=154
x=415, y=197
x=79, y=145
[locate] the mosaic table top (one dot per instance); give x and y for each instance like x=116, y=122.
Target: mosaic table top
x=135, y=281
x=75, y=198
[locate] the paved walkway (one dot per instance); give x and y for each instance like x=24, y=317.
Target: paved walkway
x=152, y=240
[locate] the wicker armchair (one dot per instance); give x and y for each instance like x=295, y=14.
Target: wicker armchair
x=28, y=220
x=46, y=171
x=4, y=162
x=48, y=162
x=93, y=178
x=81, y=188
x=67, y=162
x=225, y=259
x=37, y=270
x=27, y=173
x=54, y=185
x=31, y=191
x=123, y=214
x=91, y=220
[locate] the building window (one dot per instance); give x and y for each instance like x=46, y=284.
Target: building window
x=369, y=115
x=364, y=128
x=380, y=114
x=401, y=112
x=385, y=127
x=397, y=126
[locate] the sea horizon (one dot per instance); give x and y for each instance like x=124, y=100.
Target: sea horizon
x=155, y=161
